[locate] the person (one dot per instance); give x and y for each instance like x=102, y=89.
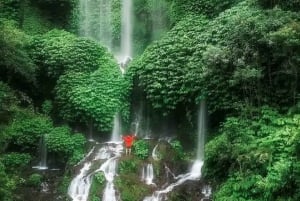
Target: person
x=128, y=141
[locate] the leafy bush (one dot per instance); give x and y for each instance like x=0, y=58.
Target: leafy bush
x=176, y=145
x=15, y=162
x=11, y=9
x=87, y=80
x=128, y=166
x=161, y=70
x=26, y=130
x=253, y=157
x=141, y=149
x=7, y=185
x=35, y=180
x=61, y=142
x=100, y=178
x=293, y=5
x=210, y=8
x=17, y=68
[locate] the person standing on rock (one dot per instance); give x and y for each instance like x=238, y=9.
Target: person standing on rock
x=128, y=141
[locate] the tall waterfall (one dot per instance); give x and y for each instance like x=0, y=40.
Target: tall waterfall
x=126, y=31
x=95, y=20
x=201, y=131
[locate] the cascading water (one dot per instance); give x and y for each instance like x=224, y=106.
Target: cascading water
x=95, y=21
x=155, y=154
x=80, y=185
x=195, y=172
x=201, y=131
x=148, y=174
x=116, y=133
x=126, y=31
x=43, y=154
x=90, y=137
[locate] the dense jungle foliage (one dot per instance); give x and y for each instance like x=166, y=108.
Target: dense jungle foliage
x=241, y=56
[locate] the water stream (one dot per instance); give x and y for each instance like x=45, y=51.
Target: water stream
x=80, y=185
x=148, y=174
x=195, y=171
x=43, y=154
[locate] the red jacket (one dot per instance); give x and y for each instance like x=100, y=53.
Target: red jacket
x=128, y=140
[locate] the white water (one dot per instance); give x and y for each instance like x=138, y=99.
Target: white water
x=80, y=185
x=194, y=174
x=95, y=21
x=116, y=132
x=155, y=154
x=90, y=137
x=201, y=130
x=43, y=154
x=195, y=171
x=148, y=174
x=126, y=30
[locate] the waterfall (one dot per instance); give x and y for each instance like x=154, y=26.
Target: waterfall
x=201, y=131
x=126, y=30
x=95, y=21
x=192, y=175
x=116, y=132
x=148, y=174
x=43, y=154
x=109, y=170
x=90, y=137
x=154, y=153
x=80, y=185
x=195, y=171
x=110, y=151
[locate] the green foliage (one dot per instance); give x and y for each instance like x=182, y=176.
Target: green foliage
x=253, y=157
x=210, y=8
x=176, y=145
x=7, y=185
x=161, y=70
x=131, y=188
x=244, y=56
x=97, y=186
x=96, y=96
x=15, y=162
x=128, y=166
x=11, y=9
x=26, y=129
x=7, y=101
x=59, y=51
x=61, y=142
x=35, y=180
x=141, y=149
x=47, y=107
x=16, y=67
x=100, y=178
x=35, y=21
x=89, y=86
x=293, y=5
